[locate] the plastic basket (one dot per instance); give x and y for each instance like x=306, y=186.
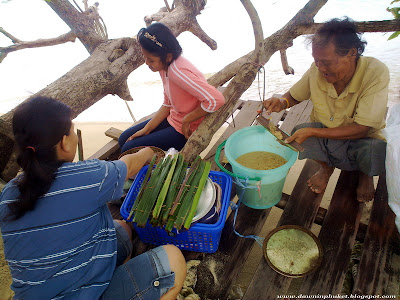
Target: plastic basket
x=199, y=237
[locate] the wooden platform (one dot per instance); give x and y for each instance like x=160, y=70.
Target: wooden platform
x=379, y=268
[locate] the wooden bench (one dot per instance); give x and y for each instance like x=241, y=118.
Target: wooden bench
x=379, y=268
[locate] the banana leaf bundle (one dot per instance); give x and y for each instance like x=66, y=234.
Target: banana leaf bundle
x=170, y=192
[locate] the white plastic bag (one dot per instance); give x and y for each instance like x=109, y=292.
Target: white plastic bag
x=171, y=151
x=392, y=135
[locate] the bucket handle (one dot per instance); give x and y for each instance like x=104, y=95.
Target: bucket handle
x=217, y=156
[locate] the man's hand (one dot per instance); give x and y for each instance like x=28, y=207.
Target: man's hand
x=273, y=105
x=352, y=131
x=300, y=135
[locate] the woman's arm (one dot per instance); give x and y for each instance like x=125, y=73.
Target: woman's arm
x=191, y=117
x=186, y=76
x=136, y=161
x=160, y=116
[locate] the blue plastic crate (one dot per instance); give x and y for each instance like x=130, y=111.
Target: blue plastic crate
x=199, y=237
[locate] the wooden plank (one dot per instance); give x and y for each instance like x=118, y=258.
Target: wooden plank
x=80, y=144
x=113, y=133
x=297, y=114
x=110, y=148
x=303, y=204
x=320, y=217
x=301, y=209
x=337, y=237
x=234, y=250
x=379, y=269
x=145, y=118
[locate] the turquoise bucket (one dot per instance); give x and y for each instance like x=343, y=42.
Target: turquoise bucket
x=264, y=187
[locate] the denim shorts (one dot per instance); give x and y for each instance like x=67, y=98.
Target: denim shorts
x=146, y=276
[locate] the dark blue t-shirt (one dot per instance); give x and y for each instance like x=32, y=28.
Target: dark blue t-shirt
x=66, y=247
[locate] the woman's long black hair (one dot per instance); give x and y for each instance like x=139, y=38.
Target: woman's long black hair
x=38, y=125
x=159, y=40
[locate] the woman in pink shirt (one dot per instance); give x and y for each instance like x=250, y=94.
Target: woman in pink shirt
x=188, y=98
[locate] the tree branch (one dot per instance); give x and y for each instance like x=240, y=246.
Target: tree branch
x=81, y=24
x=97, y=21
x=85, y=4
x=167, y=5
x=199, y=32
x=10, y=36
x=273, y=43
x=67, y=37
x=162, y=13
x=367, y=26
x=123, y=91
x=78, y=6
x=239, y=84
x=285, y=65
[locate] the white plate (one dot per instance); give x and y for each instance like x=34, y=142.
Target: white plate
x=206, y=201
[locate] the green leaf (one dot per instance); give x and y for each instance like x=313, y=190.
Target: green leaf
x=394, y=35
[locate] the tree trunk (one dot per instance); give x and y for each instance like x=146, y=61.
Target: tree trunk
x=243, y=73
x=104, y=72
x=111, y=61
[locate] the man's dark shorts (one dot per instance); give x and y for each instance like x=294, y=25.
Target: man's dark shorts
x=366, y=155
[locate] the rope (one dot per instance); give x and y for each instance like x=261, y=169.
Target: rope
x=259, y=68
x=130, y=112
x=258, y=86
x=235, y=207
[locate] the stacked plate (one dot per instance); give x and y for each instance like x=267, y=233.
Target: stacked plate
x=206, y=201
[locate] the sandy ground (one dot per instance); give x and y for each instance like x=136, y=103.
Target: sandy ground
x=93, y=138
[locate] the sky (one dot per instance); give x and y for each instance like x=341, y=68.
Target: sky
x=27, y=71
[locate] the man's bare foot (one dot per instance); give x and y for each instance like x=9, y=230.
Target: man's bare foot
x=365, y=189
x=319, y=180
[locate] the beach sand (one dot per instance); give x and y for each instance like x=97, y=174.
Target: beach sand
x=93, y=138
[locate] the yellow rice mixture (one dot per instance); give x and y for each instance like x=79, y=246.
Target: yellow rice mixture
x=261, y=160
x=292, y=251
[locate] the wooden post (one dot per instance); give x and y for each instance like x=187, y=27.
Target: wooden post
x=80, y=146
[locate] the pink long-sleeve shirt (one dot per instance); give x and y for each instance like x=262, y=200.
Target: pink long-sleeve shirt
x=185, y=89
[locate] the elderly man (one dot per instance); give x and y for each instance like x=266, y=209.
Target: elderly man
x=349, y=93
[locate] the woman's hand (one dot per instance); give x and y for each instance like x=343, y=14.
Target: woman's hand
x=191, y=117
x=300, y=135
x=187, y=132
x=135, y=161
x=147, y=153
x=138, y=133
x=273, y=104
